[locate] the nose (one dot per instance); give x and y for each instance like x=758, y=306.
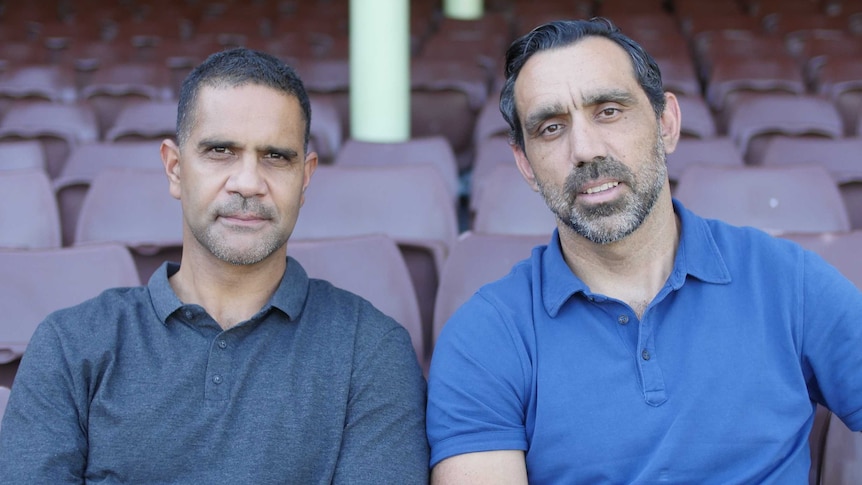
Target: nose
x=585, y=141
x=246, y=179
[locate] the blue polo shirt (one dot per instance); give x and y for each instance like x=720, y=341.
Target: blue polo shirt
x=716, y=383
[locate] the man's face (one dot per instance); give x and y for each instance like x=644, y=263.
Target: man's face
x=593, y=146
x=242, y=172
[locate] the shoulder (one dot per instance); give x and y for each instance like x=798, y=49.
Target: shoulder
x=100, y=313
x=343, y=308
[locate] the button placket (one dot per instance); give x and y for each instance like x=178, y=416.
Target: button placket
x=648, y=365
x=219, y=368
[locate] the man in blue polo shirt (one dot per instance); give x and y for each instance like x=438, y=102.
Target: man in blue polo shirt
x=643, y=344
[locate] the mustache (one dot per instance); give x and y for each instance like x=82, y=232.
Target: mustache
x=239, y=205
x=597, y=168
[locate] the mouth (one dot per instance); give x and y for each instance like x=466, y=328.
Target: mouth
x=243, y=219
x=600, y=188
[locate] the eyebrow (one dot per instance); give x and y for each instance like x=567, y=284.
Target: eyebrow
x=540, y=114
x=620, y=96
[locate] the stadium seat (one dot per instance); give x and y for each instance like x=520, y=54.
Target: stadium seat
x=58, y=127
x=766, y=197
x=490, y=153
x=764, y=116
x=4, y=398
x=477, y=259
x=113, y=87
x=28, y=211
x=840, y=249
x=144, y=120
x=507, y=205
x=842, y=157
x=373, y=268
x=85, y=162
x=34, y=283
x=133, y=208
x=22, y=155
x=842, y=455
x=409, y=203
x=713, y=151
x=433, y=150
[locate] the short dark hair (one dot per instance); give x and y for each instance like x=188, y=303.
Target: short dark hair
x=562, y=33
x=238, y=67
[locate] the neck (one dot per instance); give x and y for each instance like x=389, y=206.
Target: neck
x=633, y=269
x=229, y=293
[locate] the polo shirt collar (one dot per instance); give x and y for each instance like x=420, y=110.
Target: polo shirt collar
x=697, y=256
x=289, y=297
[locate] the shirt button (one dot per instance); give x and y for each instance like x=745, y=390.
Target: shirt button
x=623, y=319
x=222, y=344
x=645, y=354
x=217, y=379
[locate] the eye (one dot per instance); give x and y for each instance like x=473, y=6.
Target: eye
x=277, y=156
x=551, y=129
x=609, y=112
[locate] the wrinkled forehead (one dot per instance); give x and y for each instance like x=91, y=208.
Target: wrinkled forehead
x=578, y=70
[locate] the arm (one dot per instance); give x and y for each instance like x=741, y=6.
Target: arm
x=832, y=338
x=384, y=434
x=478, y=391
x=43, y=437
x=505, y=467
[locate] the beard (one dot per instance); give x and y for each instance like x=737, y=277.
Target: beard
x=610, y=221
x=220, y=245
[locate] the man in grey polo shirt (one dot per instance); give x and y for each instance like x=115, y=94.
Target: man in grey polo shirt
x=234, y=366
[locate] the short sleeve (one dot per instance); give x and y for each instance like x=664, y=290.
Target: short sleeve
x=832, y=345
x=479, y=382
x=43, y=438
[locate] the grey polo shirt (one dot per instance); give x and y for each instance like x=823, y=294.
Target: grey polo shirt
x=136, y=387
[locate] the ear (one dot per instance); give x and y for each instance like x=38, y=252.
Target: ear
x=308, y=170
x=670, y=122
x=524, y=166
x=171, y=159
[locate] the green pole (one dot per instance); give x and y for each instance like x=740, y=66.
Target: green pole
x=463, y=9
x=380, y=70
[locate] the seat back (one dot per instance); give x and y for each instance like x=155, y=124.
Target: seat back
x=719, y=151
x=144, y=120
x=34, y=283
x=433, y=150
x=28, y=210
x=58, y=127
x=842, y=455
x=133, y=208
x=477, y=259
x=802, y=198
x=22, y=155
x=765, y=116
x=840, y=249
x=4, y=398
x=85, y=162
x=508, y=205
x=490, y=152
x=370, y=266
x=409, y=203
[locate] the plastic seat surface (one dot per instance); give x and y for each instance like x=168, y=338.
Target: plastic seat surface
x=29, y=217
x=509, y=206
x=370, y=266
x=35, y=283
x=769, y=198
